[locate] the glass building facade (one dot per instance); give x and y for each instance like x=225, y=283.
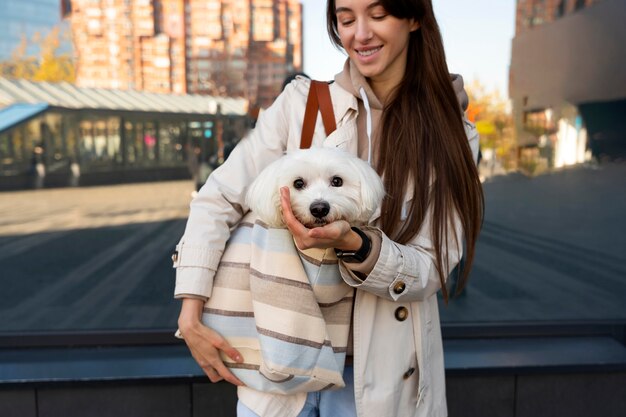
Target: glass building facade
x=55, y=135
x=74, y=148
x=25, y=18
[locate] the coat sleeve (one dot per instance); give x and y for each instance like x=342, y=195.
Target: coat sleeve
x=220, y=203
x=407, y=273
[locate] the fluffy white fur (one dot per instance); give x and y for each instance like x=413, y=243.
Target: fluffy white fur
x=319, y=179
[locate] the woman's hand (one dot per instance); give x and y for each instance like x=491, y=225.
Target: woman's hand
x=337, y=234
x=205, y=344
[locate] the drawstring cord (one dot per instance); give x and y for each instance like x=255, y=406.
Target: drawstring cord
x=368, y=125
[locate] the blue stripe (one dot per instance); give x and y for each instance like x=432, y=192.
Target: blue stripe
x=257, y=382
x=300, y=356
x=324, y=275
x=231, y=326
x=273, y=240
x=241, y=235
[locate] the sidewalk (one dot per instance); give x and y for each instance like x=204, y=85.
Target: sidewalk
x=94, y=258
x=552, y=249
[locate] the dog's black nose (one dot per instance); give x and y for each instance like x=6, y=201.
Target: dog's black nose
x=319, y=209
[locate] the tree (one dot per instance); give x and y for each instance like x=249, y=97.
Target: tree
x=51, y=65
x=19, y=65
x=494, y=122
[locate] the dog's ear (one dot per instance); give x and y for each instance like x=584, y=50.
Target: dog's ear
x=263, y=196
x=372, y=188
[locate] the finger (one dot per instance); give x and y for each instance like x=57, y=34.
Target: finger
x=223, y=345
x=212, y=374
x=332, y=231
x=324, y=232
x=225, y=373
x=292, y=223
x=206, y=367
x=285, y=205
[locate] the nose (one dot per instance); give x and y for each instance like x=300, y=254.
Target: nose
x=319, y=209
x=363, y=31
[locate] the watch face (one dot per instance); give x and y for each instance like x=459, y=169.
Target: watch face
x=349, y=257
x=346, y=256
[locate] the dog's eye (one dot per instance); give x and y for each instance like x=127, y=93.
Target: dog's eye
x=298, y=184
x=336, y=182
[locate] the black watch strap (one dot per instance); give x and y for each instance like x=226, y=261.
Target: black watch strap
x=359, y=255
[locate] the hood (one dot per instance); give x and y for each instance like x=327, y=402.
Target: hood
x=351, y=80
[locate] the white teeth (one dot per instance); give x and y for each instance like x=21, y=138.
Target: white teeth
x=368, y=52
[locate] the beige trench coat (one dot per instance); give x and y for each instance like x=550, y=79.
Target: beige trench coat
x=398, y=356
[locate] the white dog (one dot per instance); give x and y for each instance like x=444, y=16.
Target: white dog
x=325, y=185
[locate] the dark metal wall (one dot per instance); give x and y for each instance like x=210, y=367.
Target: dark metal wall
x=529, y=395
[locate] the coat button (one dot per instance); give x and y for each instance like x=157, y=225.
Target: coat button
x=408, y=373
x=401, y=313
x=174, y=257
x=399, y=287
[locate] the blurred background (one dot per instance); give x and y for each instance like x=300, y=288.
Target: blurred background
x=114, y=112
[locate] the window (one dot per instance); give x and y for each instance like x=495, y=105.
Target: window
x=170, y=143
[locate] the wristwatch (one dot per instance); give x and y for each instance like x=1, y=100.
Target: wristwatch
x=359, y=255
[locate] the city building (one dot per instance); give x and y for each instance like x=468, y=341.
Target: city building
x=567, y=82
x=24, y=19
x=57, y=134
x=242, y=48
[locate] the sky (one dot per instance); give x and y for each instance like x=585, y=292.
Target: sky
x=477, y=37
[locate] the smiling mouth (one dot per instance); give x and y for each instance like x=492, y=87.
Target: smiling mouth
x=368, y=52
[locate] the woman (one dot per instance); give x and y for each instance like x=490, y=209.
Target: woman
x=396, y=106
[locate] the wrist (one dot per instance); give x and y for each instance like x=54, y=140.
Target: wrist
x=351, y=242
x=190, y=313
x=359, y=248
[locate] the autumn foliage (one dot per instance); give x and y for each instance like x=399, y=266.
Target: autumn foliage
x=51, y=64
x=494, y=122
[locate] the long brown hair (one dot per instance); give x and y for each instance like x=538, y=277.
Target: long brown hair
x=423, y=144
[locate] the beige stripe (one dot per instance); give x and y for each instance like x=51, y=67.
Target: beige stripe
x=340, y=314
x=303, y=342
x=290, y=339
x=276, y=263
x=333, y=304
x=285, y=297
x=280, y=280
x=237, y=253
x=229, y=299
x=234, y=278
x=338, y=333
x=319, y=257
x=328, y=294
x=292, y=323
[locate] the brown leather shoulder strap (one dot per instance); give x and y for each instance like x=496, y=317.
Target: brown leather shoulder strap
x=318, y=98
x=326, y=107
